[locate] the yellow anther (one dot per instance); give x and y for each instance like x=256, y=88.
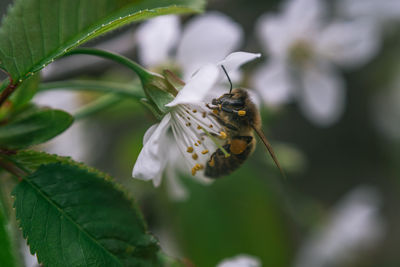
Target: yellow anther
x=242, y=112
x=210, y=126
x=189, y=149
x=188, y=124
x=204, y=114
x=222, y=135
x=199, y=127
x=195, y=156
x=194, y=110
x=199, y=142
x=198, y=167
x=205, y=151
x=201, y=166
x=194, y=171
x=188, y=118
x=215, y=111
x=196, y=144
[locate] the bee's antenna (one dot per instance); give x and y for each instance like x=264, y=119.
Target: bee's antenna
x=227, y=76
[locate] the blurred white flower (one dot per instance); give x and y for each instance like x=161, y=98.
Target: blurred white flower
x=386, y=111
x=73, y=142
x=188, y=121
x=354, y=227
x=376, y=10
x=206, y=38
x=241, y=260
x=304, y=51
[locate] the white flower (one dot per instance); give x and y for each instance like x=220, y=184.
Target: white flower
x=241, y=260
x=355, y=226
x=189, y=122
x=206, y=38
x=304, y=51
x=376, y=10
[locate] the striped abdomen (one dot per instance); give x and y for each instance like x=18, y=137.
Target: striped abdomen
x=239, y=148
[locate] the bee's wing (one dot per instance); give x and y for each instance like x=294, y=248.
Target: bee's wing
x=260, y=134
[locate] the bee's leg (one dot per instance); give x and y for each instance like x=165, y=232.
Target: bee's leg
x=224, y=123
x=212, y=108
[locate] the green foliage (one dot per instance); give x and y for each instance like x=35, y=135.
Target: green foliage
x=36, y=32
x=25, y=92
x=33, y=126
x=75, y=216
x=7, y=257
x=236, y=215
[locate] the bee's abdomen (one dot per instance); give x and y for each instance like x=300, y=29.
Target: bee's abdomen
x=218, y=165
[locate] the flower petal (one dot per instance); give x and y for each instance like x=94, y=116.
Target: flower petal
x=323, y=96
x=198, y=87
x=304, y=14
x=349, y=43
x=152, y=158
x=233, y=61
x=380, y=11
x=156, y=38
x=273, y=83
x=207, y=39
x=274, y=35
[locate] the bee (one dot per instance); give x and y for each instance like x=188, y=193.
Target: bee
x=240, y=117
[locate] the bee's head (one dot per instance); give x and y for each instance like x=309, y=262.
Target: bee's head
x=231, y=101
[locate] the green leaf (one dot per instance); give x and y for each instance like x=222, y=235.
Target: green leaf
x=7, y=256
x=75, y=216
x=25, y=92
x=33, y=126
x=36, y=32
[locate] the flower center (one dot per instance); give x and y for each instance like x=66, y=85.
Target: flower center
x=300, y=52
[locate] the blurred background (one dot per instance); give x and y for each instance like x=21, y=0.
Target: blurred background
x=338, y=205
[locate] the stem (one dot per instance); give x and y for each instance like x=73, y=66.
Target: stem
x=139, y=70
x=7, y=91
x=11, y=168
x=99, y=104
x=105, y=87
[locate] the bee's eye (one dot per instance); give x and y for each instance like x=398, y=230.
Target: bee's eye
x=215, y=101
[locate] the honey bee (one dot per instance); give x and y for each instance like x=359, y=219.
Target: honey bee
x=240, y=117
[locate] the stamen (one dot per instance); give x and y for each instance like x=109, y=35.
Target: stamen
x=216, y=143
x=189, y=149
x=188, y=118
x=199, y=142
x=194, y=171
x=194, y=110
x=222, y=135
x=188, y=124
x=195, y=156
x=205, y=151
x=199, y=127
x=204, y=114
x=210, y=126
x=196, y=144
x=198, y=167
x=215, y=111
